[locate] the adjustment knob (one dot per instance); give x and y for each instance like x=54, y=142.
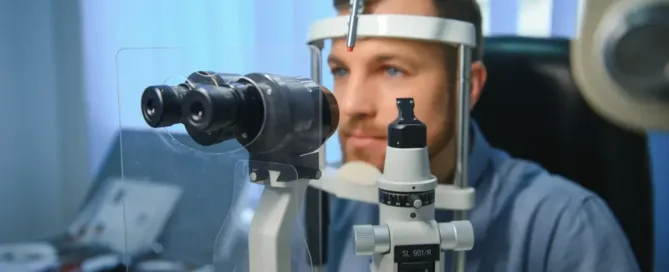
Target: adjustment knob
x=456, y=235
x=370, y=239
x=415, y=201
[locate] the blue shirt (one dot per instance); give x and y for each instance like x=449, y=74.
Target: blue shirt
x=525, y=219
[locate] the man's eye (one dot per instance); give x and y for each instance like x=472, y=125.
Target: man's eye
x=393, y=71
x=339, y=72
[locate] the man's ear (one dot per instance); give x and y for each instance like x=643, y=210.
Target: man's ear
x=478, y=77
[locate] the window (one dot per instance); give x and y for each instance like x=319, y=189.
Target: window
x=535, y=18
x=484, y=5
x=579, y=15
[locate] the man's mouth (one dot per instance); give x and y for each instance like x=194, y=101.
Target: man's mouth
x=361, y=141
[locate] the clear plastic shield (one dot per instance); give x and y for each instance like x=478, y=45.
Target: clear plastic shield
x=216, y=155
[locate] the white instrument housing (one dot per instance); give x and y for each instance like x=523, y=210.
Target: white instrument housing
x=272, y=223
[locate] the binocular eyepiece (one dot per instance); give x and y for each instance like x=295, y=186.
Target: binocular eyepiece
x=277, y=119
x=164, y=106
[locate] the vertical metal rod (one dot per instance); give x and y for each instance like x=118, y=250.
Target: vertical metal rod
x=316, y=56
x=316, y=207
x=357, y=8
x=463, y=123
x=317, y=76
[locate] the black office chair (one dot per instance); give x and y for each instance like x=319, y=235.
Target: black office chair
x=532, y=108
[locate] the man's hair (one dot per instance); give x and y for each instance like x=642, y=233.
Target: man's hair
x=461, y=10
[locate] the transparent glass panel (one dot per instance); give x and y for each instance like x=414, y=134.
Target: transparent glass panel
x=209, y=161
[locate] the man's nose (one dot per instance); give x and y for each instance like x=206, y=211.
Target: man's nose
x=359, y=98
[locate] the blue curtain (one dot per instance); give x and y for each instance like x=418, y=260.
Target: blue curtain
x=238, y=36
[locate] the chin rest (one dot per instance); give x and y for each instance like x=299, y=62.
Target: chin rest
x=531, y=108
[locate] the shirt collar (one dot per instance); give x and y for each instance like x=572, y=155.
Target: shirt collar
x=479, y=156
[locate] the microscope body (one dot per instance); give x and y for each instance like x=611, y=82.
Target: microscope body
x=408, y=238
x=413, y=249
x=406, y=199
x=281, y=121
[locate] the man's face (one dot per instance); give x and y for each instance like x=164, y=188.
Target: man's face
x=369, y=79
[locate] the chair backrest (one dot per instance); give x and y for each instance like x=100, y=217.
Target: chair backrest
x=532, y=108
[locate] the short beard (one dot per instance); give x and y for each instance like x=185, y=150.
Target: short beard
x=436, y=151
x=363, y=155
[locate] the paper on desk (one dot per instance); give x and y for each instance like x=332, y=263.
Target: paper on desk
x=127, y=216
x=28, y=257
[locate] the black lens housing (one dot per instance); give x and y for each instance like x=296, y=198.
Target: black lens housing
x=278, y=119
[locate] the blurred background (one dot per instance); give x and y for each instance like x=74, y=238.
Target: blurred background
x=60, y=109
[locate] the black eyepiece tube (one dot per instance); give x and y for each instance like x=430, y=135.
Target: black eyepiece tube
x=161, y=105
x=210, y=108
x=281, y=120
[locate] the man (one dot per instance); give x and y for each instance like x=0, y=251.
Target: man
x=525, y=219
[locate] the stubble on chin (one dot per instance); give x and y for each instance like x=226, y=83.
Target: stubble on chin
x=373, y=156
